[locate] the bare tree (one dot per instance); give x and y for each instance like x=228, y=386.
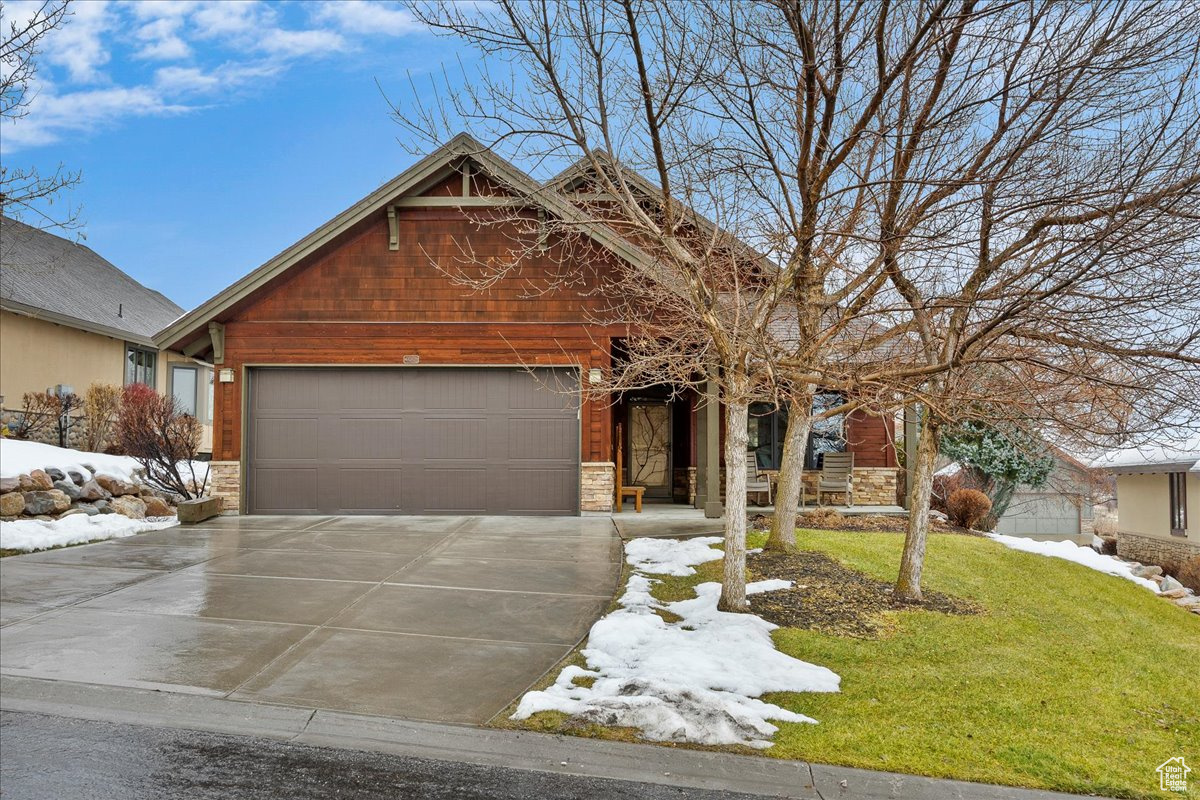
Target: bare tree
x=25, y=191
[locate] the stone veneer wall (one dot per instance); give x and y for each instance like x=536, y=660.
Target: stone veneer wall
x=873, y=486
x=226, y=484
x=597, y=484
x=1155, y=549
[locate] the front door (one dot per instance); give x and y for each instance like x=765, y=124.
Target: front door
x=649, y=447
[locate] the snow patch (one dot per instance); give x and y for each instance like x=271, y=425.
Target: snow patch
x=677, y=559
x=29, y=535
x=1070, y=551
x=20, y=458
x=693, y=680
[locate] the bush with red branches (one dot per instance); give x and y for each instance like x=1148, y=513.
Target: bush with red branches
x=164, y=440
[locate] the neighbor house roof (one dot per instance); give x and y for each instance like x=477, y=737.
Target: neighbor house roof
x=1180, y=453
x=52, y=278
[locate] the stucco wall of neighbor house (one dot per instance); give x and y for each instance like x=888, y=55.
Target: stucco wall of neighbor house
x=1143, y=505
x=36, y=355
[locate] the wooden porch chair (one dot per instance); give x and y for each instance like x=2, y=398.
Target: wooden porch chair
x=756, y=482
x=635, y=492
x=837, y=475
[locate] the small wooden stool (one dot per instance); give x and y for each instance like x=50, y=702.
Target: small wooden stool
x=635, y=492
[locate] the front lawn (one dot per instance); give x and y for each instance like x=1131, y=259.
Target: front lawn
x=1059, y=677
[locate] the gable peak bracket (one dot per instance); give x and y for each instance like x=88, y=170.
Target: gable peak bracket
x=216, y=330
x=393, y=229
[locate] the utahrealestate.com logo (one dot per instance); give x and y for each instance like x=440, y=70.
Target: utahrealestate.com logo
x=1172, y=775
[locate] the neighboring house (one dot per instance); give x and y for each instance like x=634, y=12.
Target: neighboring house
x=1158, y=499
x=70, y=318
x=356, y=377
x=1060, y=509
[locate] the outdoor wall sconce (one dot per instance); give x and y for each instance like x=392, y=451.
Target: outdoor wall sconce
x=226, y=375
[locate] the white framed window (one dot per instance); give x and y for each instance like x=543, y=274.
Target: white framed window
x=185, y=387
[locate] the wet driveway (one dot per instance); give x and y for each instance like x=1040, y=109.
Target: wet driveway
x=431, y=618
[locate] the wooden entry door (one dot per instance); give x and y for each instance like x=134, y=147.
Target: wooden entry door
x=648, y=462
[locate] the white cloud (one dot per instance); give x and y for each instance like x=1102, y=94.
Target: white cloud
x=229, y=18
x=84, y=111
x=79, y=44
x=367, y=17
x=292, y=44
x=162, y=41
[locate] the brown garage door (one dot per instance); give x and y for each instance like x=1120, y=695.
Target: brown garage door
x=413, y=441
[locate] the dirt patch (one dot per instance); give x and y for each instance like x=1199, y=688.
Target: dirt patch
x=829, y=597
x=828, y=519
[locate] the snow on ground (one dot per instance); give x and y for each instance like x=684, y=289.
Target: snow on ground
x=20, y=458
x=34, y=534
x=693, y=680
x=1080, y=555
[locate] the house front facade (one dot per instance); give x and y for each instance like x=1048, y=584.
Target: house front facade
x=356, y=375
x=69, y=318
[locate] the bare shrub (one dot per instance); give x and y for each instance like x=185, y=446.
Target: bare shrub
x=101, y=402
x=966, y=507
x=41, y=411
x=822, y=518
x=164, y=440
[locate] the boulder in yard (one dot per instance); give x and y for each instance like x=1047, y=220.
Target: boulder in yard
x=1174, y=594
x=104, y=506
x=70, y=512
x=92, y=490
x=129, y=506
x=1169, y=584
x=56, y=474
x=76, y=477
x=12, y=504
x=40, y=480
x=10, y=485
x=48, y=502
x=86, y=508
x=157, y=507
x=116, y=486
x=1188, y=601
x=67, y=488
x=1147, y=571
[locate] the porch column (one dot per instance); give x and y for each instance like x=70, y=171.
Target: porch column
x=713, y=507
x=701, y=434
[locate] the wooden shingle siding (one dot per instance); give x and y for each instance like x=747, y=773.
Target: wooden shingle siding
x=872, y=440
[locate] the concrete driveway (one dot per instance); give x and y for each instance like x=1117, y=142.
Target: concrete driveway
x=431, y=618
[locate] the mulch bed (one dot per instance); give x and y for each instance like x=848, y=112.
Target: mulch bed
x=829, y=597
x=832, y=520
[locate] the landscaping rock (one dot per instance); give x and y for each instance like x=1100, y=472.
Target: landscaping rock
x=1188, y=601
x=1170, y=584
x=93, y=491
x=41, y=481
x=1174, y=594
x=67, y=488
x=129, y=506
x=157, y=507
x=104, y=507
x=198, y=510
x=116, y=486
x=70, y=512
x=12, y=504
x=1147, y=571
x=25, y=484
x=86, y=508
x=56, y=474
x=48, y=502
x=76, y=477
x=10, y=485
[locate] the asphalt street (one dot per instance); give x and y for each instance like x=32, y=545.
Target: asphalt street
x=55, y=758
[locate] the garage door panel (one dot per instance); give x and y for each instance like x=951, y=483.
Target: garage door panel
x=367, y=489
x=292, y=439
x=412, y=441
x=370, y=437
x=286, y=489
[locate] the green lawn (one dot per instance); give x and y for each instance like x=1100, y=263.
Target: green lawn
x=1070, y=679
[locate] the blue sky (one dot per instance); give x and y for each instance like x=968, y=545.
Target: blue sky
x=211, y=135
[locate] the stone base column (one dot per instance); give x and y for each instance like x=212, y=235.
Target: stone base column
x=597, y=484
x=225, y=483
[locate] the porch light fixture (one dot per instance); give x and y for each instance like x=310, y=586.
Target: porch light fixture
x=226, y=375
x=595, y=376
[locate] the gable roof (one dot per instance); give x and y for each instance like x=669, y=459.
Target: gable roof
x=435, y=165
x=52, y=278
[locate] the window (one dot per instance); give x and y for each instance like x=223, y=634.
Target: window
x=768, y=427
x=183, y=386
x=1178, y=484
x=139, y=365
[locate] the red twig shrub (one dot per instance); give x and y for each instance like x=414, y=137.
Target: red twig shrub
x=1189, y=573
x=164, y=440
x=966, y=507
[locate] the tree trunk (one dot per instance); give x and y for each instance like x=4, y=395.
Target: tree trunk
x=733, y=583
x=791, y=474
x=908, y=585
